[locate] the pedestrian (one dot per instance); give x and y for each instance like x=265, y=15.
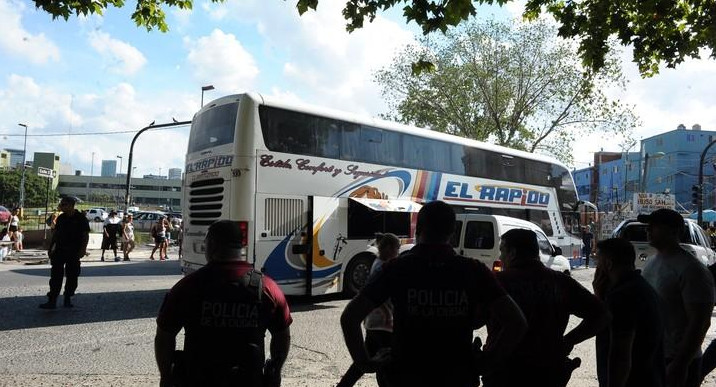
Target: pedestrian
x=587, y=240
x=18, y=239
x=547, y=298
x=67, y=246
x=225, y=309
x=686, y=294
x=630, y=352
x=5, y=245
x=128, y=236
x=14, y=224
x=180, y=240
x=159, y=233
x=110, y=230
x=437, y=297
x=379, y=323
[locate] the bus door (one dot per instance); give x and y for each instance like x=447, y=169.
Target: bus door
x=281, y=246
x=328, y=238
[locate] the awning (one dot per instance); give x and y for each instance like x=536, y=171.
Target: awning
x=389, y=205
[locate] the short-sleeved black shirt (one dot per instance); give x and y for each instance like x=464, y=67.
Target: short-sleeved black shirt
x=220, y=317
x=70, y=234
x=437, y=297
x=634, y=306
x=547, y=299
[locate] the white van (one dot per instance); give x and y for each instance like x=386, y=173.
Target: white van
x=478, y=236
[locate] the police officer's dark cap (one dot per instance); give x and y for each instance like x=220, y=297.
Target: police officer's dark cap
x=68, y=200
x=226, y=233
x=664, y=217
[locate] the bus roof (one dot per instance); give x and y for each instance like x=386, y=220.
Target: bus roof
x=398, y=127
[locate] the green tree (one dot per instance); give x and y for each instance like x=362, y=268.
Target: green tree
x=35, y=189
x=661, y=31
x=511, y=84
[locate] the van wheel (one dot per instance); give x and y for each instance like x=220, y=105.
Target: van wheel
x=357, y=273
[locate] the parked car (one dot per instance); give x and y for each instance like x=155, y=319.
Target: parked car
x=5, y=214
x=97, y=214
x=693, y=240
x=144, y=220
x=478, y=236
x=132, y=210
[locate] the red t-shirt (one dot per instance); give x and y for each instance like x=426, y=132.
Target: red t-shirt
x=218, y=315
x=437, y=297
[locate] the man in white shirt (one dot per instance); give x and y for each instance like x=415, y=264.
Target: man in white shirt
x=686, y=293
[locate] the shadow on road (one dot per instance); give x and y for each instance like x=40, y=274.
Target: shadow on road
x=306, y=304
x=23, y=313
x=124, y=269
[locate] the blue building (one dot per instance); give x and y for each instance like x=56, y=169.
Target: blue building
x=667, y=163
x=673, y=165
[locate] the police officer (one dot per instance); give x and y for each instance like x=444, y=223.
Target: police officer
x=547, y=298
x=439, y=298
x=225, y=309
x=67, y=246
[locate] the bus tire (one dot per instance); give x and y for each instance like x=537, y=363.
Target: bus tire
x=357, y=272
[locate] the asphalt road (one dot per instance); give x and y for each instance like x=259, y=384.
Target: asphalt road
x=107, y=339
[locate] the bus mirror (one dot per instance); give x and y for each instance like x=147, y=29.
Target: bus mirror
x=557, y=250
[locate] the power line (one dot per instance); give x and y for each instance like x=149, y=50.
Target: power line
x=78, y=134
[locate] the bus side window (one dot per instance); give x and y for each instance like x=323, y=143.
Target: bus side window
x=455, y=239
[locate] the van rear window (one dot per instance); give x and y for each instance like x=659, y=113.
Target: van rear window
x=479, y=235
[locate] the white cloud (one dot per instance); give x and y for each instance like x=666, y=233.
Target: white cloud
x=216, y=11
x=220, y=59
x=119, y=57
x=319, y=60
x=47, y=109
x=675, y=96
x=16, y=41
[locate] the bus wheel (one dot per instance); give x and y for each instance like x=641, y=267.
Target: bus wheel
x=356, y=274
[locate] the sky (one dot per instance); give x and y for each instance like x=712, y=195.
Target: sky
x=100, y=74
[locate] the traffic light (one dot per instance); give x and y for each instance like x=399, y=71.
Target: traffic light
x=696, y=194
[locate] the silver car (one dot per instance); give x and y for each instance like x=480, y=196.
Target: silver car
x=693, y=240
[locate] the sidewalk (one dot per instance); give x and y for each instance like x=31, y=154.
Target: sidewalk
x=38, y=256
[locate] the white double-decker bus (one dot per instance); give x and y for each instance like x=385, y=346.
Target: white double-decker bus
x=311, y=187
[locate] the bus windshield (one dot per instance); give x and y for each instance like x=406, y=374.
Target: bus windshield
x=213, y=127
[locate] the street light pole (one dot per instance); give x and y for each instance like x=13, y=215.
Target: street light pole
x=203, y=89
x=131, y=153
x=22, y=179
x=700, y=204
x=120, y=178
x=89, y=186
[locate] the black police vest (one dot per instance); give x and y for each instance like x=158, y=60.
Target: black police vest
x=225, y=341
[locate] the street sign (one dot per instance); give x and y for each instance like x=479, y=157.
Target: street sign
x=46, y=172
x=648, y=202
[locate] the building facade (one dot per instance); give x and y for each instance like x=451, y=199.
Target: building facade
x=666, y=163
x=4, y=160
x=109, y=168
x=47, y=160
x=174, y=174
x=16, y=157
x=144, y=192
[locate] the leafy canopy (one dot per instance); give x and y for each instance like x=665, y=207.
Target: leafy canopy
x=512, y=84
x=35, y=189
x=661, y=31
